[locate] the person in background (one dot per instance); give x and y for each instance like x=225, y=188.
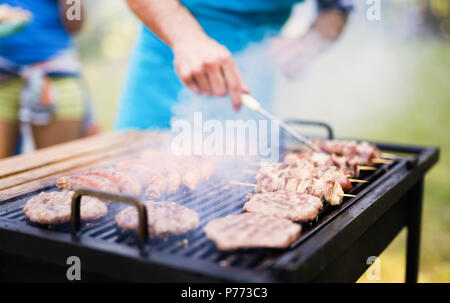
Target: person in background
x=192, y=43
x=40, y=78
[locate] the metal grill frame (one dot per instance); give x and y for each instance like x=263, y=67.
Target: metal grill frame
x=336, y=251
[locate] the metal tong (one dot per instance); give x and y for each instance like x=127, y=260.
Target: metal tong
x=255, y=106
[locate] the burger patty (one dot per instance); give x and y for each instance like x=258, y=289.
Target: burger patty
x=76, y=182
x=164, y=218
x=126, y=183
x=55, y=208
x=251, y=230
x=289, y=205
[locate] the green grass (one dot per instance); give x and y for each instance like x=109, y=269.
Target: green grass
x=426, y=122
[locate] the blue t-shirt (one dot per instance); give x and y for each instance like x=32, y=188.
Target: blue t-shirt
x=42, y=38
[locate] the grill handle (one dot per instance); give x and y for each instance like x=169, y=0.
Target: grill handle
x=324, y=125
x=75, y=216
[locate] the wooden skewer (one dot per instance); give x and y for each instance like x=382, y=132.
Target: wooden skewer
x=388, y=156
x=264, y=163
x=381, y=161
x=253, y=172
x=367, y=168
x=347, y=195
x=358, y=181
x=243, y=183
x=255, y=185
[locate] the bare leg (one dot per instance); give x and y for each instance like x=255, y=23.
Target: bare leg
x=56, y=132
x=9, y=133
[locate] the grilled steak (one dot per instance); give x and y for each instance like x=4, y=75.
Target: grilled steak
x=164, y=218
x=285, y=204
x=76, y=182
x=126, y=183
x=251, y=230
x=55, y=208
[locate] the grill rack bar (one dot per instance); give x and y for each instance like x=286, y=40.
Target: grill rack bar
x=204, y=250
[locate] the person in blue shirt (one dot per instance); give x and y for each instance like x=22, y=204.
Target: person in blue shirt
x=195, y=44
x=39, y=76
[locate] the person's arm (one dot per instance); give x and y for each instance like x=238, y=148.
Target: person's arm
x=293, y=54
x=69, y=7
x=202, y=64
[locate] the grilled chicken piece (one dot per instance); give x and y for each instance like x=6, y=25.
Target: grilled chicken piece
x=289, y=205
x=55, y=208
x=251, y=230
x=306, y=160
x=281, y=176
x=364, y=150
x=328, y=190
x=126, y=182
x=164, y=218
x=76, y=182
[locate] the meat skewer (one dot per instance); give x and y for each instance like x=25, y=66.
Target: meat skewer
x=330, y=192
x=307, y=170
x=367, y=153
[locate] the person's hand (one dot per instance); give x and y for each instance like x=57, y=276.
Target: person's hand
x=292, y=55
x=207, y=67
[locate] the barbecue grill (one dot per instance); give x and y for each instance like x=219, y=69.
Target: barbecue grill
x=334, y=248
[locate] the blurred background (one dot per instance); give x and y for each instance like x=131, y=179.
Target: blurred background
x=385, y=80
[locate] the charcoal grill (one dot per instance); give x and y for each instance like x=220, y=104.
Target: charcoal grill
x=334, y=248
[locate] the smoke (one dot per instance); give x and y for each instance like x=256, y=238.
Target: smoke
x=362, y=79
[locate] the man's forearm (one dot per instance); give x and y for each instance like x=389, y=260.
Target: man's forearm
x=168, y=19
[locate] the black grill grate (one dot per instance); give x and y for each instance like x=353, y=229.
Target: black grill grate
x=213, y=199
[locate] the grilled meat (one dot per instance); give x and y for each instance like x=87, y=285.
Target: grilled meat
x=154, y=181
x=348, y=165
x=156, y=185
x=76, y=182
x=164, y=218
x=126, y=182
x=251, y=230
x=364, y=150
x=286, y=205
x=55, y=208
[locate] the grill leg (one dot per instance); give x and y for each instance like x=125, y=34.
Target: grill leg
x=413, y=239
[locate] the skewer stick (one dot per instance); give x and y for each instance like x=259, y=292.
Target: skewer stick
x=254, y=185
x=357, y=181
x=381, y=161
x=264, y=163
x=388, y=156
x=243, y=184
x=347, y=195
x=367, y=168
